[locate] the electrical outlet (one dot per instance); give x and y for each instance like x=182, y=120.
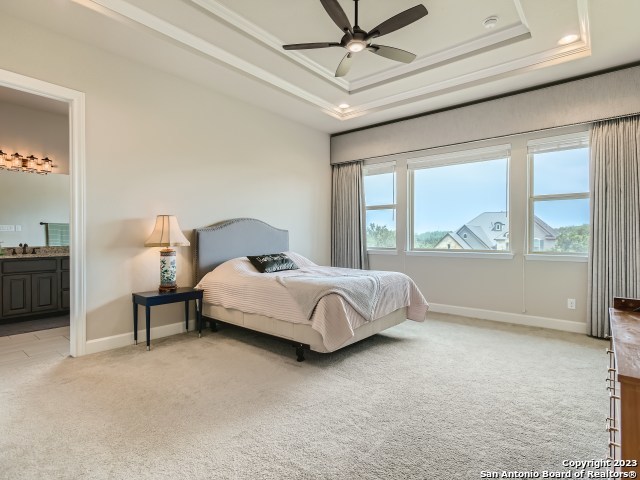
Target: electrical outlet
x=571, y=303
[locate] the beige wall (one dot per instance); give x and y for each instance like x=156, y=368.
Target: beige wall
x=158, y=144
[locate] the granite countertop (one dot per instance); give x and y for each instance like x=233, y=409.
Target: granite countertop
x=32, y=255
x=41, y=252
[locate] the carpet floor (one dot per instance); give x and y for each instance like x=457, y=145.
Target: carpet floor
x=445, y=399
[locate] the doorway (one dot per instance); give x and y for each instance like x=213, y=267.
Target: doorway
x=74, y=102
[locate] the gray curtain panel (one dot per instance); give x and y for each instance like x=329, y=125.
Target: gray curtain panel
x=614, y=253
x=347, y=216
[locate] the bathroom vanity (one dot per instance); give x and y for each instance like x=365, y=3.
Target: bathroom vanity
x=33, y=285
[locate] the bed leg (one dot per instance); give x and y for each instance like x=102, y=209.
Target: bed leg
x=213, y=326
x=300, y=353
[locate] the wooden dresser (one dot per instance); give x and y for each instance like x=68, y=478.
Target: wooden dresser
x=623, y=383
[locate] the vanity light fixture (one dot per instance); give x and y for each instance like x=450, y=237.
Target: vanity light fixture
x=5, y=160
x=30, y=164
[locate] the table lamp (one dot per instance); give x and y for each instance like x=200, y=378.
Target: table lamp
x=167, y=234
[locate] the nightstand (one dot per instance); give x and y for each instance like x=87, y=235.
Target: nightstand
x=150, y=299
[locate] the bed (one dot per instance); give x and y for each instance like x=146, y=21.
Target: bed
x=235, y=293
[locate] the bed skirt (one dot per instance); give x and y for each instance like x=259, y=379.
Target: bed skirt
x=299, y=332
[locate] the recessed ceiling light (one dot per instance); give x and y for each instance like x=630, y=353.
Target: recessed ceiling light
x=490, y=22
x=567, y=39
x=344, y=105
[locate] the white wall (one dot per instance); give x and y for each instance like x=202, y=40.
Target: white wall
x=158, y=144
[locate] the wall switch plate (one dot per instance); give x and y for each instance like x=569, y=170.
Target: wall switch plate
x=7, y=228
x=18, y=228
x=571, y=303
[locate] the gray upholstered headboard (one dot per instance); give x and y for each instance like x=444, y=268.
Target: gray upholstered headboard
x=238, y=237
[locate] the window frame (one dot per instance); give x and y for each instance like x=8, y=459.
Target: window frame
x=459, y=157
x=577, y=139
x=389, y=206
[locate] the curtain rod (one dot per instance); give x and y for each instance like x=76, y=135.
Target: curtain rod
x=496, y=137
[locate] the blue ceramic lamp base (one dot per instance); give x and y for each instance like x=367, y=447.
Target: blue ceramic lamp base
x=167, y=270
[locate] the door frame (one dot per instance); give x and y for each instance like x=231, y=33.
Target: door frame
x=77, y=228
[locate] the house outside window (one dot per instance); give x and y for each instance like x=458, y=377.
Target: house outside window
x=380, y=205
x=459, y=201
x=559, y=195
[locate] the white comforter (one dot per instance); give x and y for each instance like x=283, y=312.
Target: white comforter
x=238, y=285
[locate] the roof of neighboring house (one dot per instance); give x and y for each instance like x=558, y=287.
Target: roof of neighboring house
x=458, y=239
x=483, y=227
x=551, y=232
x=482, y=233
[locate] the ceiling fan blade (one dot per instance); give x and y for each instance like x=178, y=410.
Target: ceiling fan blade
x=398, y=21
x=304, y=46
x=337, y=14
x=345, y=65
x=393, y=53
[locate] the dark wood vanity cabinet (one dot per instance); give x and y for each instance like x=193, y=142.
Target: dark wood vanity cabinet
x=33, y=286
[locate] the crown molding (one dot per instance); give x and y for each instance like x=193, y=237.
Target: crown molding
x=510, y=34
x=269, y=40
x=525, y=64
x=123, y=11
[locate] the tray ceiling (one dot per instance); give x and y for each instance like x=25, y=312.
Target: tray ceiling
x=235, y=46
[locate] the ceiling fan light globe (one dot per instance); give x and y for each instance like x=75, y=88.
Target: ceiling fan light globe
x=356, y=46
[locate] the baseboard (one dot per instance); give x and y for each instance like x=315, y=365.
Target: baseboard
x=506, y=317
x=125, y=339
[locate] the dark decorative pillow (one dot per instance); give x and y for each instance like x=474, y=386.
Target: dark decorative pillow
x=272, y=262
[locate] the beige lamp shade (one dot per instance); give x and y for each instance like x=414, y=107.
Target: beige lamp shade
x=167, y=233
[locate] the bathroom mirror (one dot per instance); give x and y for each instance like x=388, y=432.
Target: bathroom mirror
x=27, y=199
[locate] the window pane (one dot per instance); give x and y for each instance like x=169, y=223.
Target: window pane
x=561, y=226
x=461, y=206
x=381, y=228
x=379, y=189
x=564, y=171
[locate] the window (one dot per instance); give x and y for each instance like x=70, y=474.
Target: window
x=559, y=195
x=459, y=201
x=380, y=202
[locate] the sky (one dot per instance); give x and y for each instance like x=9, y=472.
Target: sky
x=447, y=197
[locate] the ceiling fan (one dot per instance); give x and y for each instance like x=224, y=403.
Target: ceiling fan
x=356, y=40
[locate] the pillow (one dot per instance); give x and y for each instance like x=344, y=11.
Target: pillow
x=272, y=262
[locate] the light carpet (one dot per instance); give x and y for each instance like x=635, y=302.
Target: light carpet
x=444, y=399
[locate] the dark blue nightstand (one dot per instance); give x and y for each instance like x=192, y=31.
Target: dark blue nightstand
x=149, y=299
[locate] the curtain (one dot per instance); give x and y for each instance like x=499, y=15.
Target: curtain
x=614, y=252
x=348, y=247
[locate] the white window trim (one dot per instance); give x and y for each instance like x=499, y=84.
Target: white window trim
x=493, y=255
x=382, y=251
x=382, y=167
x=557, y=257
x=552, y=144
x=483, y=154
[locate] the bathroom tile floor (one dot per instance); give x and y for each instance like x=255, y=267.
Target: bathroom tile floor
x=26, y=348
